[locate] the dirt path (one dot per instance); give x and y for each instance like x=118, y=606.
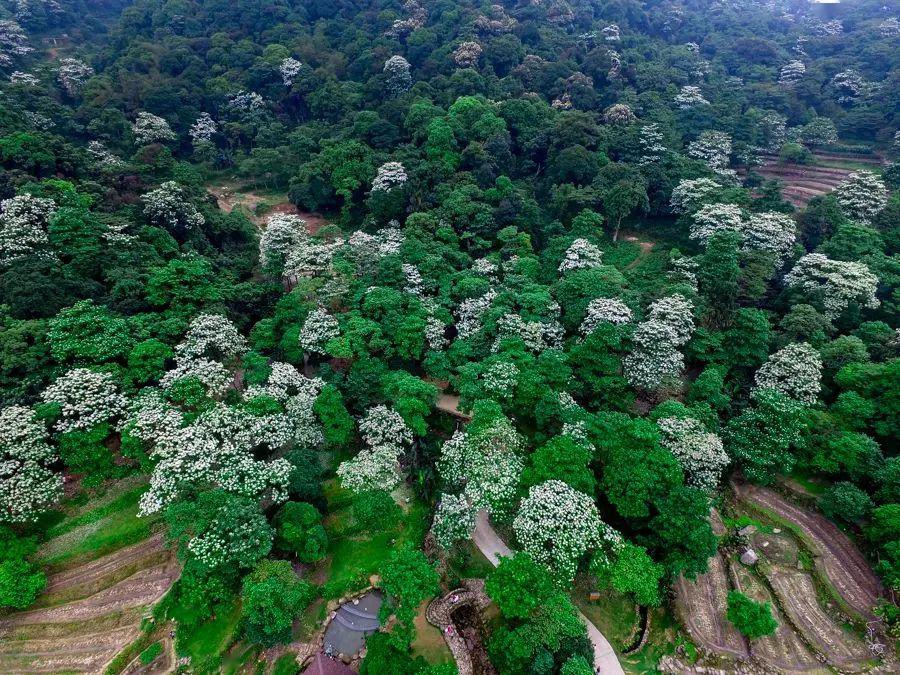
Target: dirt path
x=645, y=246
x=835, y=555
x=231, y=196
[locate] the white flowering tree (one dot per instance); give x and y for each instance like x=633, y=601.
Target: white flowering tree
x=651, y=142
x=834, y=284
x=27, y=79
x=28, y=484
x=605, y=310
x=397, y=71
x=13, y=42
x=500, y=379
x=619, y=114
x=86, y=398
x=283, y=234
x=689, y=97
x=389, y=176
x=211, y=336
x=375, y=468
x=381, y=425
x=711, y=219
x=581, y=255
x=454, y=520
x=890, y=27
x=611, y=33
x=655, y=359
x=557, y=526
x=795, y=371
x=690, y=194
x=699, y=452
x=713, y=148
x=819, y=131
x=169, y=207
x=470, y=312
x=862, y=195
x=104, y=158
x=202, y=130
x=246, y=102
x=485, y=466
x=466, y=55
x=318, y=328
x=214, y=376
x=791, y=73
x=290, y=68
x=149, y=128
x=72, y=74
x=770, y=231
x=535, y=335
x=23, y=227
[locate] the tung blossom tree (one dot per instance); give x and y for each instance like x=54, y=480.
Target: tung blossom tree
x=605, y=310
x=211, y=336
x=699, y=452
x=397, y=71
x=689, y=97
x=795, y=371
x=714, y=218
x=149, y=128
x=72, y=74
x=203, y=129
x=655, y=359
x=13, y=42
x=389, y=176
x=690, y=194
x=713, y=148
x=169, y=207
x=290, y=68
x=23, y=227
x=318, y=328
x=467, y=54
x=862, y=195
x=557, y=525
x=791, y=73
x=28, y=484
x=581, y=255
x=834, y=284
x=86, y=398
x=454, y=520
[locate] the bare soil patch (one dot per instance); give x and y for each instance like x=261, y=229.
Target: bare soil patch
x=258, y=207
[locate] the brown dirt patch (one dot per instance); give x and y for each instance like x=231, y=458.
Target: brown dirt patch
x=231, y=196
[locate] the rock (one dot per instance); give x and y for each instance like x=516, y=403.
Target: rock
x=747, y=530
x=749, y=557
x=777, y=530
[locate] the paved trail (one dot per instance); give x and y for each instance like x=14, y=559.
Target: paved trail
x=493, y=547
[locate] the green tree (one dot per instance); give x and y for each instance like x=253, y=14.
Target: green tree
x=632, y=571
x=20, y=580
x=299, y=531
x=519, y=586
x=753, y=619
x=271, y=598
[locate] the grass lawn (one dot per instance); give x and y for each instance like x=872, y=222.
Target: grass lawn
x=429, y=643
x=206, y=643
x=84, y=535
x=614, y=613
x=665, y=637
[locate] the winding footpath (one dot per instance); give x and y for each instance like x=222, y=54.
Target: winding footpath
x=493, y=547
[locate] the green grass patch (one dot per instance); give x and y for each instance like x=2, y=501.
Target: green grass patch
x=615, y=614
x=208, y=642
x=150, y=654
x=666, y=637
x=743, y=520
x=286, y=665
x=429, y=643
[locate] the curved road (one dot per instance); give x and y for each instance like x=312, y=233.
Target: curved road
x=492, y=546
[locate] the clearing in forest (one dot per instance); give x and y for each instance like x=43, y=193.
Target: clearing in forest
x=258, y=206
x=802, y=182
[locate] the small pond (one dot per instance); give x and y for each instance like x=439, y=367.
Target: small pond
x=354, y=620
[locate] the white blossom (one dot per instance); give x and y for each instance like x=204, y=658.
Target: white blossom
x=168, y=205
x=605, y=310
x=690, y=97
x=615, y=65
x=689, y=194
x=148, y=128
x=485, y=267
x=290, y=68
x=699, y=452
x=382, y=425
x=23, y=226
x=655, y=359
x=211, y=336
x=770, y=231
x=819, y=131
x=791, y=73
x=389, y=176
x=454, y=520
x=28, y=484
x=414, y=282
x=203, y=129
x=211, y=374
x=795, y=371
x=435, y=333
x=13, y=42
x=318, y=328
x=557, y=525
x=470, y=312
x=861, y=195
x=713, y=148
x=397, y=71
x=536, y=335
x=834, y=283
x=652, y=147
x=375, y=468
x=581, y=255
x=72, y=74
x=501, y=378
x=103, y=156
x=831, y=28
x=467, y=54
x=246, y=101
x=18, y=77
x=711, y=219
x=618, y=114
x=890, y=27
x=86, y=398
x=150, y=417
x=611, y=33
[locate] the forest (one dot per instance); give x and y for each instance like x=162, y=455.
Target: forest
x=565, y=331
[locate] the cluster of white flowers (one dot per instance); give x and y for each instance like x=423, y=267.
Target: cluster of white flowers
x=581, y=255
x=619, y=114
x=211, y=374
x=246, y=101
x=218, y=447
x=498, y=22
x=13, y=42
x=284, y=382
x=689, y=97
x=830, y=28
x=485, y=267
x=615, y=65
x=770, y=231
x=773, y=129
x=684, y=270
x=486, y=467
x=150, y=417
x=23, y=226
x=651, y=142
x=414, y=282
x=557, y=525
x=835, y=283
x=795, y=371
x=819, y=131
x=862, y=195
x=414, y=21
x=536, y=335
x=397, y=71
x=711, y=219
x=318, y=328
x=72, y=74
x=714, y=148
x=149, y=128
x=689, y=194
x=290, y=68
x=791, y=73
x=86, y=398
x=27, y=483
x=211, y=336
x=470, y=312
x=890, y=27
x=382, y=425
x=605, y=310
x=699, y=452
x=467, y=54
x=501, y=378
x=38, y=121
x=203, y=129
x=655, y=359
x=611, y=33
x=167, y=205
x=389, y=176
x=435, y=333
x=851, y=86
x=377, y=466
x=692, y=47
x=18, y=77
x=103, y=156
x=454, y=520
x=282, y=234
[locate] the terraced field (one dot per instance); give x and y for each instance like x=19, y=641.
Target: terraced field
x=803, y=182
